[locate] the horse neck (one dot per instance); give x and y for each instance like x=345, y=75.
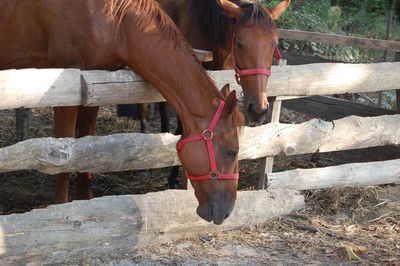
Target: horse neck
x=173, y=70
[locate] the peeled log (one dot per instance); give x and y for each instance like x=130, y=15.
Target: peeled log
x=100, y=229
x=66, y=87
x=121, y=152
x=348, y=175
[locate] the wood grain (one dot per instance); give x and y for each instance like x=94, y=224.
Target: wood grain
x=110, y=227
x=349, y=175
x=57, y=87
x=128, y=151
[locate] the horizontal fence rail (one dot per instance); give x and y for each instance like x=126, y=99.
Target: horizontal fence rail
x=89, y=230
x=119, y=152
x=73, y=224
x=68, y=87
x=339, y=40
x=350, y=175
x=128, y=151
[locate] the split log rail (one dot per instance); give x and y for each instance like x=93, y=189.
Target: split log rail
x=96, y=230
x=57, y=87
x=89, y=230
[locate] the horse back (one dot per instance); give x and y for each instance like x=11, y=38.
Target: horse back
x=48, y=33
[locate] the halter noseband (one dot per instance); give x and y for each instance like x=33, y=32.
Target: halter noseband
x=207, y=136
x=251, y=71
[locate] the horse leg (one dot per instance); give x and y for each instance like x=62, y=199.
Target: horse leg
x=164, y=117
x=143, y=117
x=64, y=126
x=143, y=110
x=173, y=182
x=85, y=125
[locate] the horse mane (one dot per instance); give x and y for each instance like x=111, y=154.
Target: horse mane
x=217, y=26
x=210, y=19
x=116, y=10
x=150, y=11
x=238, y=118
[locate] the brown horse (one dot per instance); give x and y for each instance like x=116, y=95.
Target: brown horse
x=235, y=29
x=239, y=30
x=110, y=34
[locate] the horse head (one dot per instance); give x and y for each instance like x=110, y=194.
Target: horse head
x=210, y=160
x=254, y=41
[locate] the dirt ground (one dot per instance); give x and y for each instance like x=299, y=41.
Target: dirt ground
x=340, y=226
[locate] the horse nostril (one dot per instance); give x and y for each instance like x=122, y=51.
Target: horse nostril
x=250, y=108
x=266, y=108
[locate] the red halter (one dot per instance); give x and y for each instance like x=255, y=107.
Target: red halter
x=207, y=136
x=252, y=71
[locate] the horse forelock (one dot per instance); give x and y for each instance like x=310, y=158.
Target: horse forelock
x=258, y=13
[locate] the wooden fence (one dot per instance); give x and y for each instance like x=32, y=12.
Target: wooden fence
x=66, y=87
x=107, y=228
x=89, y=230
x=334, y=108
x=339, y=40
x=55, y=87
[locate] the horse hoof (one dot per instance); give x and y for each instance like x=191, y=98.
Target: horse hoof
x=143, y=173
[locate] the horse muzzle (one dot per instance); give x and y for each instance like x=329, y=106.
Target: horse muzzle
x=257, y=112
x=216, y=213
x=216, y=199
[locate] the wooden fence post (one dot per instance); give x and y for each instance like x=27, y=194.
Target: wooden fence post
x=22, y=121
x=397, y=59
x=267, y=163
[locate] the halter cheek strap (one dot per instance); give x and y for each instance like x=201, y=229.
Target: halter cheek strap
x=251, y=71
x=207, y=136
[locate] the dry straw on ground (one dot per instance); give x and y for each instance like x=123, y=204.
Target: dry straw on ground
x=338, y=225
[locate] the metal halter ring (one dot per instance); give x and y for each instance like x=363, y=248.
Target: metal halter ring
x=209, y=132
x=214, y=175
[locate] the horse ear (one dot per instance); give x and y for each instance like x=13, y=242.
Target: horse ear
x=230, y=102
x=277, y=10
x=233, y=10
x=225, y=90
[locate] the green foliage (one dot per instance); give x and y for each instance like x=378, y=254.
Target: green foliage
x=366, y=19
x=389, y=100
x=334, y=14
x=321, y=17
x=363, y=18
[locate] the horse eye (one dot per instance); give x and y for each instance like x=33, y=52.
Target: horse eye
x=239, y=45
x=231, y=153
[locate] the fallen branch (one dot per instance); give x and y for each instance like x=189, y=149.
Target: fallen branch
x=313, y=228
